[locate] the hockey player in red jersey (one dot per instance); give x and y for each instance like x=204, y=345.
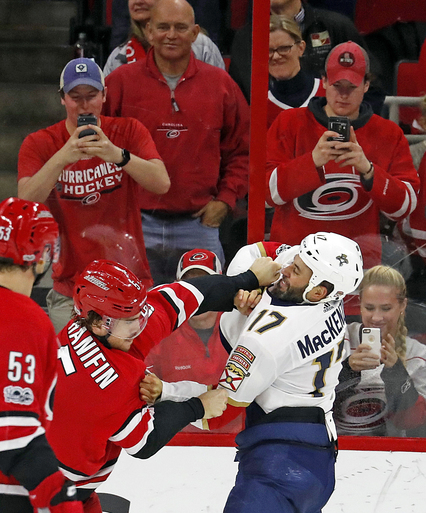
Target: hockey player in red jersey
x=29, y=475
x=102, y=355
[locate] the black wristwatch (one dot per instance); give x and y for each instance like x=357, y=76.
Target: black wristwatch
x=126, y=157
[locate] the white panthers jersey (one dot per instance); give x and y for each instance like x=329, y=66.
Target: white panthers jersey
x=286, y=354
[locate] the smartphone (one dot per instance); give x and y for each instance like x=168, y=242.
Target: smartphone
x=371, y=336
x=342, y=126
x=86, y=120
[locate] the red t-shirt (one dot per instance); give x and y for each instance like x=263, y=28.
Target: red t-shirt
x=94, y=202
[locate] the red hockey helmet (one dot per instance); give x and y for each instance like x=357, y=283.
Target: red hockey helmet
x=109, y=289
x=27, y=229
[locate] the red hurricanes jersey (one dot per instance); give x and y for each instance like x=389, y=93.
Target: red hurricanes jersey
x=97, y=396
x=308, y=200
x=28, y=356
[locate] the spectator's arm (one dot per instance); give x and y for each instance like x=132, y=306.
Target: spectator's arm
x=38, y=186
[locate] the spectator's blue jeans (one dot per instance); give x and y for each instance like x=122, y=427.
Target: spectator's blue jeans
x=167, y=239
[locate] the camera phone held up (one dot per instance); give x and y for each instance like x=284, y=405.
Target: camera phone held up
x=86, y=120
x=341, y=125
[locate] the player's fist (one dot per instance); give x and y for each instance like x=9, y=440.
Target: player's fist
x=266, y=270
x=150, y=388
x=214, y=402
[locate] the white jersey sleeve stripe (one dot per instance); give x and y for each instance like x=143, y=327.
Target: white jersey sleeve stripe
x=138, y=446
x=18, y=421
x=18, y=443
x=13, y=490
x=273, y=188
x=180, y=304
x=130, y=427
x=72, y=476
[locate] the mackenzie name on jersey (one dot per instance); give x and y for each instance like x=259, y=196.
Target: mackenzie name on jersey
x=334, y=328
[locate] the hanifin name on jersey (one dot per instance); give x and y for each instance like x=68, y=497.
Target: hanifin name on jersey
x=89, y=354
x=334, y=328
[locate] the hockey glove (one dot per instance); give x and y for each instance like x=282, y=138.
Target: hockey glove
x=56, y=495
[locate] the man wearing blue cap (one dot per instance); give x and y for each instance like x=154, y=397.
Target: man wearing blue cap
x=90, y=183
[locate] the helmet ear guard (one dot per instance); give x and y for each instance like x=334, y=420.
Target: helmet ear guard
x=28, y=233
x=332, y=258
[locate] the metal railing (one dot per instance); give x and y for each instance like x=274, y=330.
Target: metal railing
x=394, y=102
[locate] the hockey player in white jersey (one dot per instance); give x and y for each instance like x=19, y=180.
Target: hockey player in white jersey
x=284, y=368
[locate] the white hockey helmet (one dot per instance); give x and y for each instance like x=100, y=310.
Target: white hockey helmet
x=333, y=258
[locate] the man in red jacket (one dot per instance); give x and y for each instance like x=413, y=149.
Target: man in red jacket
x=199, y=121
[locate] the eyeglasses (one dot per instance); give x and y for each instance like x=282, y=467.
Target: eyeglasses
x=282, y=50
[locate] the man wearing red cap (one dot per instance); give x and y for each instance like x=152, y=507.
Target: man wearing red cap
x=194, y=351
x=319, y=184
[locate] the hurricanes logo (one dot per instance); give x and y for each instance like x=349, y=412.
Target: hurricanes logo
x=91, y=198
x=196, y=257
x=172, y=134
x=343, y=259
x=340, y=198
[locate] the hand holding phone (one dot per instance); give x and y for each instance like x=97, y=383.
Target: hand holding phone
x=372, y=337
x=341, y=125
x=87, y=120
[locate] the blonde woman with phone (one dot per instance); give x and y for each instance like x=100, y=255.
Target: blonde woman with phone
x=382, y=394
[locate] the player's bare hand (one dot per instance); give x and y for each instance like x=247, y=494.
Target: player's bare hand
x=246, y=301
x=214, y=402
x=266, y=270
x=100, y=146
x=388, y=354
x=150, y=388
x=213, y=213
x=363, y=358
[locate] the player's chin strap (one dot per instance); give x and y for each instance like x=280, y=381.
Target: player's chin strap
x=104, y=340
